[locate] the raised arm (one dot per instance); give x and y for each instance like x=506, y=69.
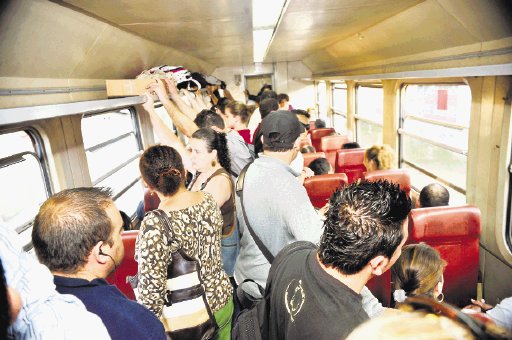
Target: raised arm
x=178, y=102
x=164, y=134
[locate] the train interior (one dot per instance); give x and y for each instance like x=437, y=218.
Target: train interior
x=360, y=65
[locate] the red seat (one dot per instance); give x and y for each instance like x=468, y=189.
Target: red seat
x=455, y=233
x=128, y=267
x=330, y=145
x=317, y=134
x=380, y=286
x=310, y=157
x=350, y=162
x=321, y=187
x=398, y=176
x=151, y=201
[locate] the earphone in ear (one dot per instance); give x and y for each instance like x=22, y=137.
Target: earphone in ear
x=105, y=254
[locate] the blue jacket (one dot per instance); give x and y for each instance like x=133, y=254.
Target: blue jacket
x=124, y=318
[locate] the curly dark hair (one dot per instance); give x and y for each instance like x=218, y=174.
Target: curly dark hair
x=364, y=220
x=162, y=169
x=215, y=141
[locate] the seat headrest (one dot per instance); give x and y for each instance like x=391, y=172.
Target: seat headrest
x=321, y=184
x=441, y=223
x=319, y=133
x=310, y=157
x=398, y=176
x=347, y=157
x=334, y=142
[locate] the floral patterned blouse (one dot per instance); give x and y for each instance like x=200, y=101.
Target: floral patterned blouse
x=198, y=232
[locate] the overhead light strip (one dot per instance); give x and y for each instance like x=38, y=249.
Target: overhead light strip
x=266, y=16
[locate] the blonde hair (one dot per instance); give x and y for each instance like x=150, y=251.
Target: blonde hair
x=382, y=156
x=418, y=270
x=410, y=325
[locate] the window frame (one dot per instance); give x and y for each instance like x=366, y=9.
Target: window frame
x=136, y=131
x=364, y=119
x=402, y=132
x=337, y=111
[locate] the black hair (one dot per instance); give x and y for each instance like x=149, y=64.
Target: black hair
x=162, y=169
x=268, y=105
x=5, y=314
x=222, y=103
x=307, y=149
x=434, y=195
x=319, y=124
x=208, y=118
x=215, y=141
x=320, y=166
x=69, y=224
x=265, y=88
x=268, y=94
x=299, y=112
x=351, y=145
x=282, y=97
x=364, y=220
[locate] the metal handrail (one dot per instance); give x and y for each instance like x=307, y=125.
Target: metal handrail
x=437, y=178
x=429, y=141
x=437, y=122
x=117, y=168
x=369, y=121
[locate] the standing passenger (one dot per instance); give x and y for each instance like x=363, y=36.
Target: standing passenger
x=77, y=235
x=316, y=293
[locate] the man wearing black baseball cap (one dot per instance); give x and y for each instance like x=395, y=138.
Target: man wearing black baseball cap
x=276, y=204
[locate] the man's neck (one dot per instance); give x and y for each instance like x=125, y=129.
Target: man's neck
x=355, y=282
x=285, y=157
x=83, y=274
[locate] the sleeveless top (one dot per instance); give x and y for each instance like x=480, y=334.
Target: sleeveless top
x=228, y=208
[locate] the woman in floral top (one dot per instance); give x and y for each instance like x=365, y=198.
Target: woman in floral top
x=196, y=222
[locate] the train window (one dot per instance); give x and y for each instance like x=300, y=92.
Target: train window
x=24, y=181
x=113, y=146
x=434, y=130
x=339, y=107
x=321, y=99
x=369, y=115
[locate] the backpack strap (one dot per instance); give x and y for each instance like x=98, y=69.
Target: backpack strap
x=240, y=192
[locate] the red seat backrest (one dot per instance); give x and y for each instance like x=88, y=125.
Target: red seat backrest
x=321, y=187
x=398, y=176
x=317, y=134
x=350, y=162
x=310, y=157
x=151, y=201
x=330, y=145
x=380, y=286
x=455, y=233
x=128, y=267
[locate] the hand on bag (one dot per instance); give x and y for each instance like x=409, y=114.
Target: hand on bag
x=171, y=86
x=158, y=87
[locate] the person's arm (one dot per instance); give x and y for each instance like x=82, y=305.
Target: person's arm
x=220, y=188
x=371, y=304
x=502, y=313
x=164, y=134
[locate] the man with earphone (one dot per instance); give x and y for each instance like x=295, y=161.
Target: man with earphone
x=77, y=235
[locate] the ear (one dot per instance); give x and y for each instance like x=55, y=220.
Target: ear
x=214, y=154
x=438, y=289
x=95, y=253
x=378, y=265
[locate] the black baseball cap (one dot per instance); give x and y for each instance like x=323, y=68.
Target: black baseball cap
x=280, y=129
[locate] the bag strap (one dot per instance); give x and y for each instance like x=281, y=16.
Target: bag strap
x=240, y=192
x=162, y=216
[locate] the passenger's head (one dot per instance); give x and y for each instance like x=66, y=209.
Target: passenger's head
x=75, y=229
x=418, y=271
x=268, y=94
x=283, y=100
x=319, y=124
x=162, y=169
x=308, y=149
x=379, y=157
x=321, y=166
x=236, y=115
x=303, y=116
x=209, y=119
x=265, y=88
x=365, y=228
x=268, y=105
x=434, y=195
x=351, y=145
x=281, y=131
x=221, y=105
x=209, y=148
x=411, y=325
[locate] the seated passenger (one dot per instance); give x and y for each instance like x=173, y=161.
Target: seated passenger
x=418, y=271
x=197, y=223
x=501, y=313
x=308, y=149
x=379, y=157
x=77, y=235
x=320, y=124
x=321, y=166
x=351, y=145
x=316, y=292
x=434, y=195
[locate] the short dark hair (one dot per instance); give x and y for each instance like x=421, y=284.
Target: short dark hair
x=207, y=119
x=320, y=166
x=268, y=105
x=161, y=168
x=434, y=195
x=301, y=113
x=307, y=149
x=351, y=145
x=69, y=224
x=268, y=94
x=364, y=220
x=319, y=124
x=282, y=97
